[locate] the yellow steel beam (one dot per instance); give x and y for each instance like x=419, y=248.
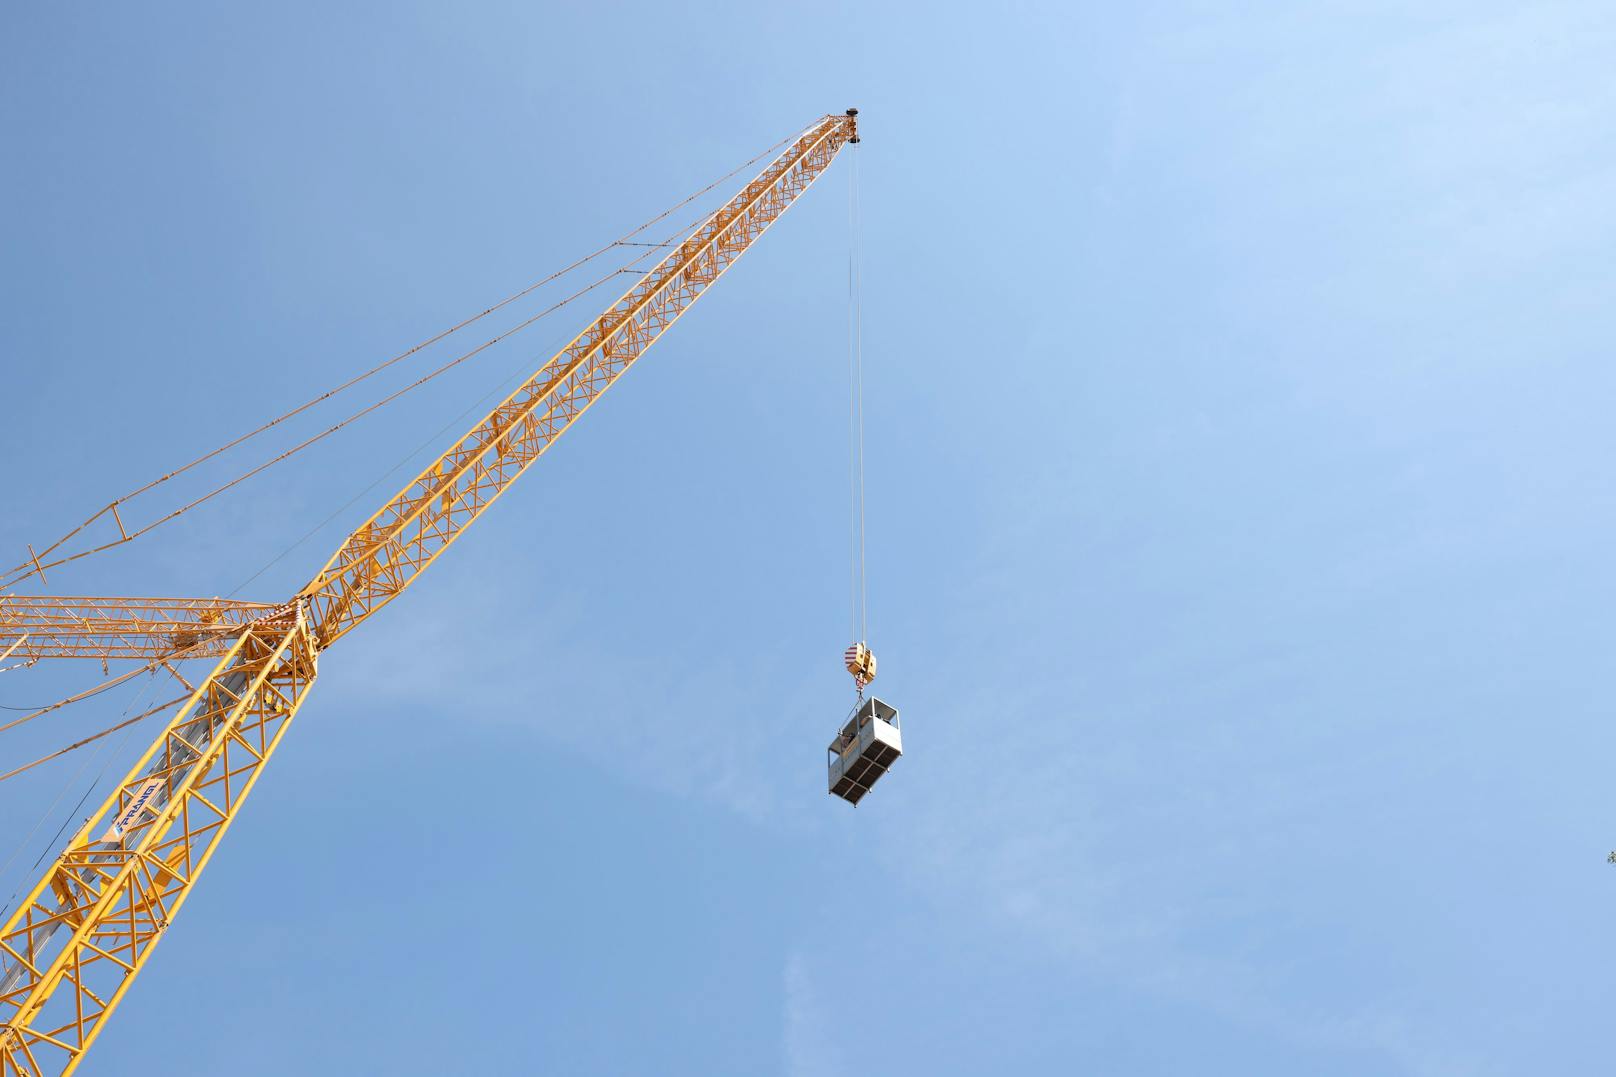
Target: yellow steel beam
x=71, y=950
x=389, y=550
x=73, y=947
x=76, y=626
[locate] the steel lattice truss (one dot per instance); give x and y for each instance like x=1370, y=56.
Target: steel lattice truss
x=41, y=626
x=72, y=949
x=381, y=558
x=74, y=946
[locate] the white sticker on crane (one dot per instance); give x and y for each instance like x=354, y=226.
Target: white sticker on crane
x=131, y=815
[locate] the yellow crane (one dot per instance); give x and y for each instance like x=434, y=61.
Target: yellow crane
x=75, y=944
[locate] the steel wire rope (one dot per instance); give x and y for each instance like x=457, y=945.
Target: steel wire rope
x=631, y=267
x=88, y=761
x=42, y=709
x=352, y=501
x=93, y=737
x=858, y=320
x=179, y=655
x=361, y=413
x=130, y=722
x=852, y=434
x=39, y=711
x=858, y=569
x=36, y=712
x=35, y=566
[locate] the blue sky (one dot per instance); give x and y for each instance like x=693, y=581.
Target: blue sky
x=1238, y=384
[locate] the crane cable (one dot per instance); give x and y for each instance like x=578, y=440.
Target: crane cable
x=35, y=566
x=858, y=585
x=39, y=711
x=93, y=737
x=66, y=785
x=322, y=435
x=631, y=267
x=179, y=655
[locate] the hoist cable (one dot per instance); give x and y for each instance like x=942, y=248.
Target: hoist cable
x=68, y=784
x=858, y=571
x=38, y=561
x=92, y=738
x=405, y=459
x=852, y=434
x=858, y=336
x=36, y=712
x=317, y=528
x=355, y=417
x=458, y=419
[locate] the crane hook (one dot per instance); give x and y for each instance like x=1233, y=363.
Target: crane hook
x=860, y=662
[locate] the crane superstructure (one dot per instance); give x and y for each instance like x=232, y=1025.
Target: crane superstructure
x=76, y=943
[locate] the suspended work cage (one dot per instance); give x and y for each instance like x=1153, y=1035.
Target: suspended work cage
x=864, y=750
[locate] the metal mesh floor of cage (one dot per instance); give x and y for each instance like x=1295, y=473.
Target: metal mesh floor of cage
x=865, y=749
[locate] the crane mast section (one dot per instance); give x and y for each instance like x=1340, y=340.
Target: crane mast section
x=65, y=626
x=76, y=943
x=390, y=550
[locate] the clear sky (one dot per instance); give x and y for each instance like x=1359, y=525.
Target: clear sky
x=1239, y=383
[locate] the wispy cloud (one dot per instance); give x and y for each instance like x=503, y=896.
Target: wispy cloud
x=688, y=718
x=1153, y=893
x=810, y=1043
